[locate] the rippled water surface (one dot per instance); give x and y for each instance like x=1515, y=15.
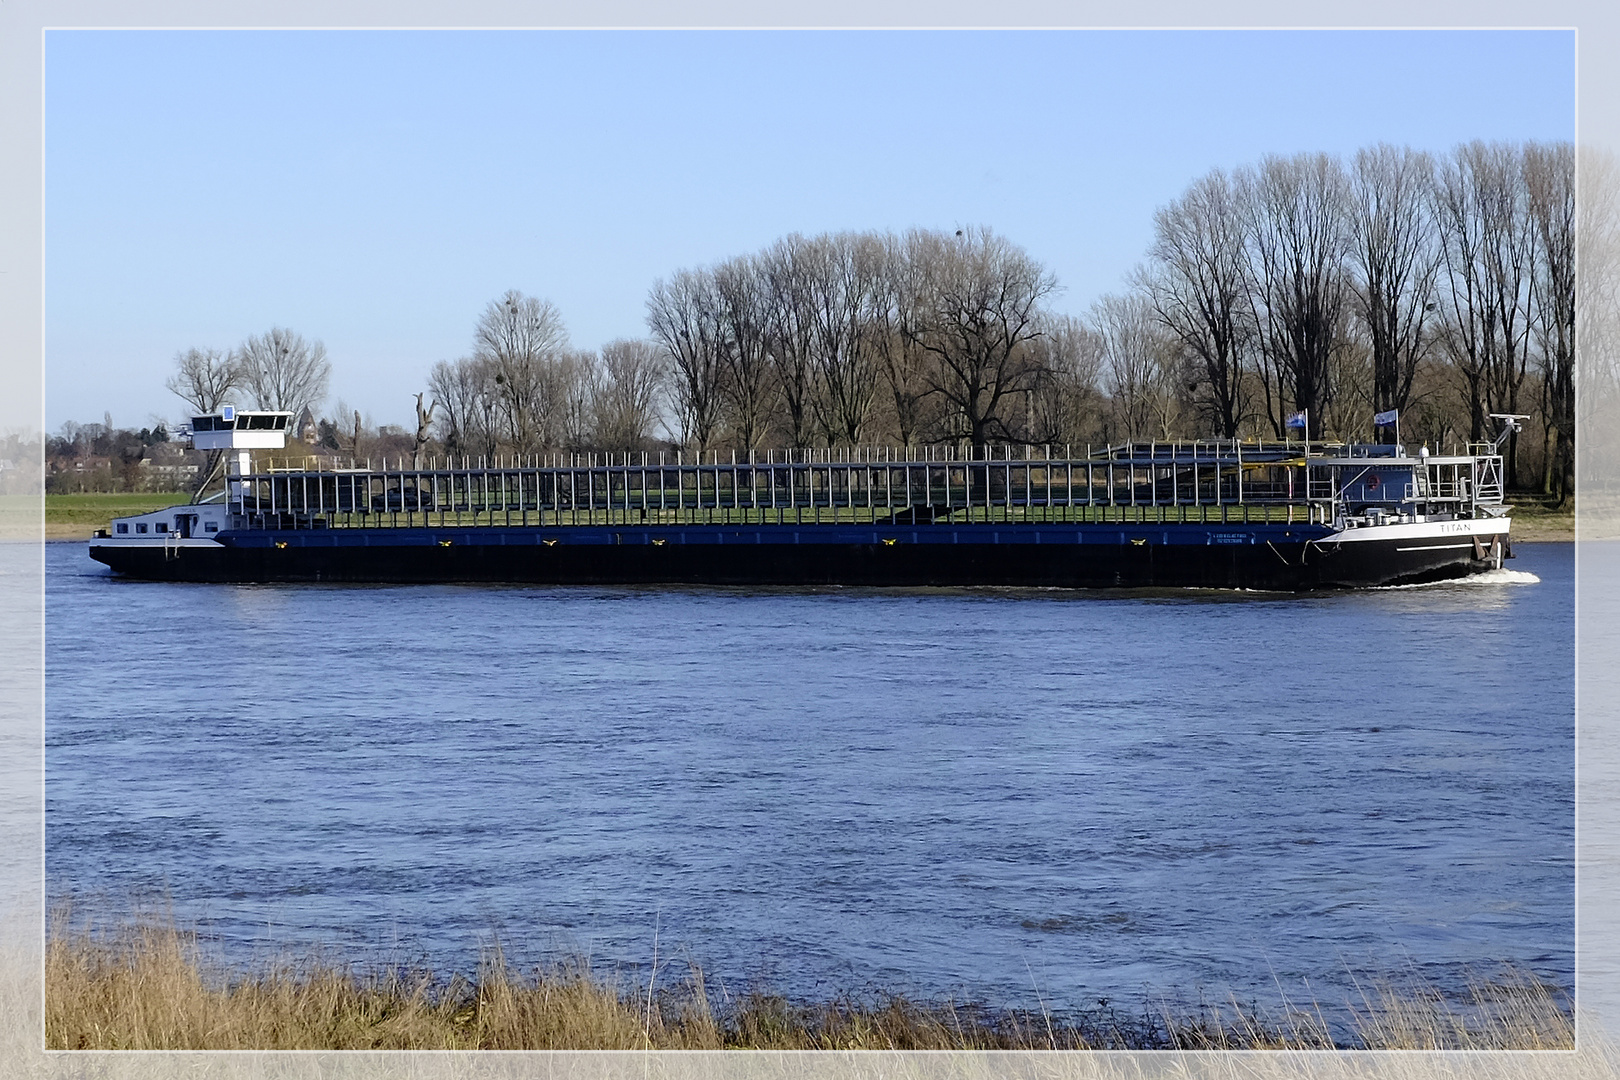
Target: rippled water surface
x=982, y=793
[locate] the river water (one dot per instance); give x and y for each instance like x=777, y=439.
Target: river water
x=1017, y=797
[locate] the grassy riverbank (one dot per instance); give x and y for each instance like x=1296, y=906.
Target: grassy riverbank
x=1534, y=522
x=75, y=517
x=155, y=987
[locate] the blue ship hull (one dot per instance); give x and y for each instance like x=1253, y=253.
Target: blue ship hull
x=1177, y=555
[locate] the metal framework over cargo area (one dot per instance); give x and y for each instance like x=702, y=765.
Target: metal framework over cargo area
x=1179, y=481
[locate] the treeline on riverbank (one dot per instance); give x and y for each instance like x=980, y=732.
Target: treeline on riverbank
x=151, y=985
x=1440, y=288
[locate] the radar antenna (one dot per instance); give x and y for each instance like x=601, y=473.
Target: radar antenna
x=1511, y=422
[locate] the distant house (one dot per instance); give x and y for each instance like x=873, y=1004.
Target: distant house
x=306, y=427
x=167, y=466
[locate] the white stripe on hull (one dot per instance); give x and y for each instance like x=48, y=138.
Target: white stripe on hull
x=1484, y=528
x=154, y=542
x=1436, y=547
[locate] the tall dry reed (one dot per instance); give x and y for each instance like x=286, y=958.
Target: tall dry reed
x=149, y=985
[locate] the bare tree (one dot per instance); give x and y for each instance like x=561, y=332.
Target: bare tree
x=785, y=271
x=576, y=381
x=631, y=378
x=684, y=317
x=1489, y=250
x=1138, y=364
x=204, y=379
x=744, y=309
x=977, y=308
x=1349, y=413
x=896, y=334
x=846, y=295
x=284, y=372
x=522, y=339
x=1066, y=404
x=1549, y=178
x=1432, y=417
x=1198, y=287
x=465, y=392
x=1298, y=239
x=1394, y=248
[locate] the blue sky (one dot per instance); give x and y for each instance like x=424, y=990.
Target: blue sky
x=375, y=189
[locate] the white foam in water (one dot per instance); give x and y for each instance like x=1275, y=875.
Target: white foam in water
x=1489, y=577
x=1501, y=577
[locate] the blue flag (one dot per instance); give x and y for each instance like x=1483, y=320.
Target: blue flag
x=1386, y=419
x=1297, y=420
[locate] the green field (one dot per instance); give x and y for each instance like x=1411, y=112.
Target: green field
x=94, y=511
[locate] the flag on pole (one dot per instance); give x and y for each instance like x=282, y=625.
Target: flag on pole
x=1386, y=419
x=1297, y=420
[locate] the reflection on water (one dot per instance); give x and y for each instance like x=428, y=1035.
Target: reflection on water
x=972, y=792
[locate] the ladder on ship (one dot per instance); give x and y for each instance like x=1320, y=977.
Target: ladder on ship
x=1488, y=481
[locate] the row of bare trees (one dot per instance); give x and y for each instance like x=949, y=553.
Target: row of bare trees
x=839, y=339
x=1441, y=287
x=277, y=370
x=524, y=390
x=834, y=338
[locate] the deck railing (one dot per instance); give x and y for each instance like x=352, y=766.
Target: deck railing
x=1148, y=482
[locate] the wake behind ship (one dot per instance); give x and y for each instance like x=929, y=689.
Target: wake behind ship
x=1206, y=514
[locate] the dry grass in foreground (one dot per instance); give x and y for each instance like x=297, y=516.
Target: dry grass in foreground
x=151, y=986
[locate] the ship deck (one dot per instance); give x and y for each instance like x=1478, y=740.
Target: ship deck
x=1160, y=483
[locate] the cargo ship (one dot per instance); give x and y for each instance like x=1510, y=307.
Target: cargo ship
x=1225, y=514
